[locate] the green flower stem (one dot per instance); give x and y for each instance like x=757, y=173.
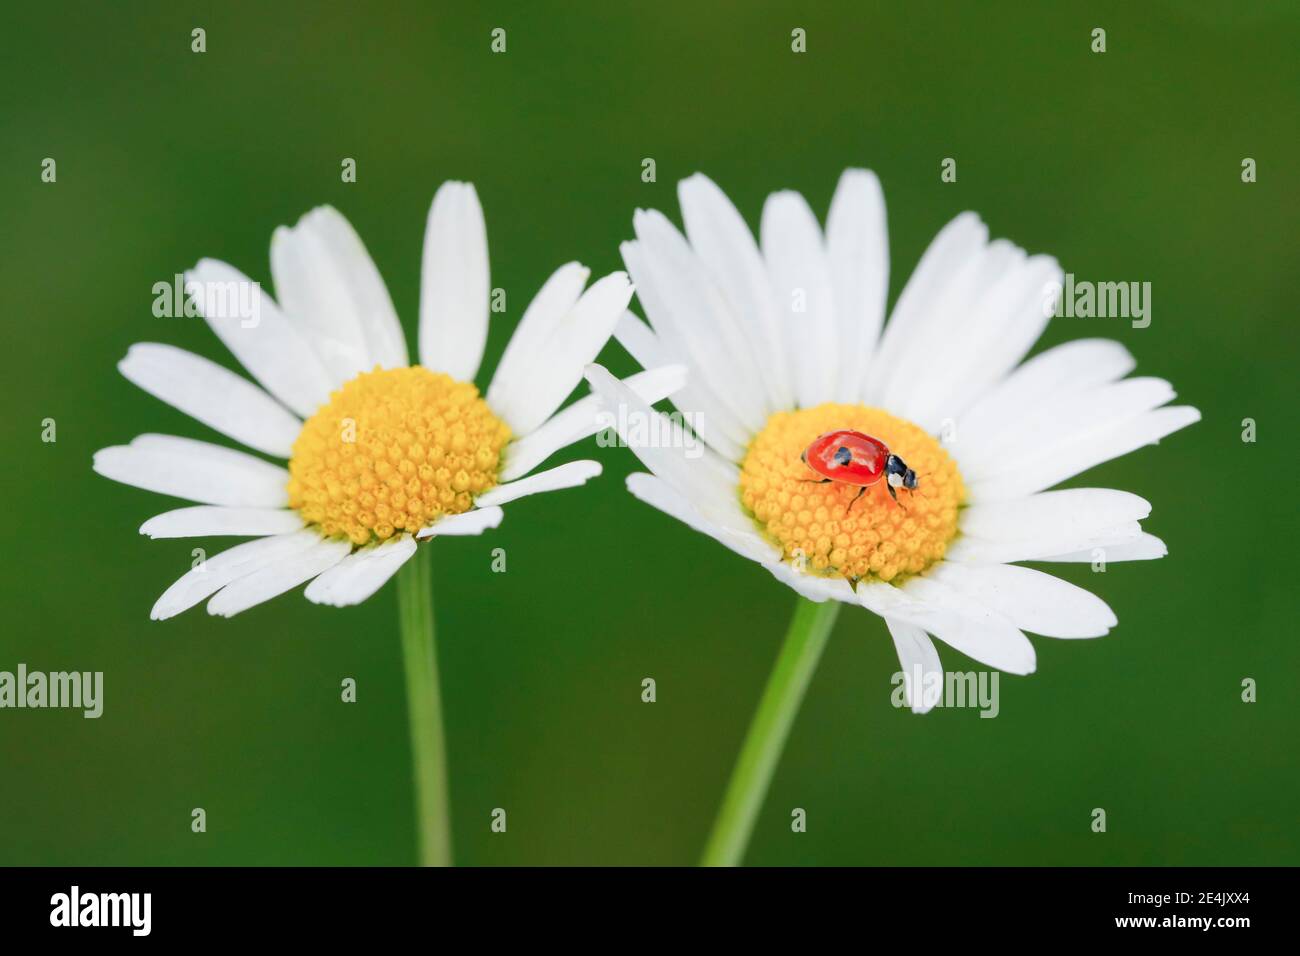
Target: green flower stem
x=803, y=646
x=424, y=705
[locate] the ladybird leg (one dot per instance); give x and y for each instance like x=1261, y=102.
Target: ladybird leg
x=816, y=481
x=893, y=494
x=861, y=491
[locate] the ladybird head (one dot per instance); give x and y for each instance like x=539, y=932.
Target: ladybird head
x=898, y=474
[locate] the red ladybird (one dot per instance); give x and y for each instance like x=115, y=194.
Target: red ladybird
x=857, y=459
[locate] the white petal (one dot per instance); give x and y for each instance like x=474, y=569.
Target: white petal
x=706, y=383
x=274, y=350
x=857, y=247
x=315, y=294
x=361, y=574
x=553, y=302
x=349, y=281
x=934, y=353
x=219, y=570
x=1064, y=370
x=745, y=541
x=1081, y=451
x=994, y=323
x=664, y=447
x=581, y=420
x=982, y=634
x=469, y=523
x=971, y=550
x=212, y=395
x=455, y=285
x=572, y=475
x=693, y=318
x=555, y=365
x=1141, y=547
x=709, y=419
x=196, y=471
x=1072, y=514
x=949, y=265
x=801, y=280
x=923, y=675
x=639, y=340
x=1061, y=419
x=812, y=586
x=1031, y=600
x=205, y=520
x=976, y=631
x=719, y=236
x=274, y=579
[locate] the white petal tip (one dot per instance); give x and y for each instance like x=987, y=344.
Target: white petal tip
x=319, y=212
x=456, y=187
x=596, y=375
x=325, y=599
x=860, y=172
x=102, y=460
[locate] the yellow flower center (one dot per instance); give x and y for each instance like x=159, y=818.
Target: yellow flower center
x=814, y=525
x=393, y=451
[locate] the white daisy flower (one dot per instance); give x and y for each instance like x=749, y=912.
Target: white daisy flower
x=785, y=341
x=381, y=453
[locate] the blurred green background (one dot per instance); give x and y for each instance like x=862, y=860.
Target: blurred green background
x=1126, y=165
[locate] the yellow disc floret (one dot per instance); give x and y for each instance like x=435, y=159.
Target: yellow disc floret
x=814, y=525
x=393, y=451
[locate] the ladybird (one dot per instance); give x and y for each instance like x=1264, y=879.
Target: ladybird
x=857, y=459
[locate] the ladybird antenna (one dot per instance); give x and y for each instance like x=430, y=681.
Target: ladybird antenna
x=919, y=485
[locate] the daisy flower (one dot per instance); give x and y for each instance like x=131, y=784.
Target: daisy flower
x=381, y=453
x=785, y=341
